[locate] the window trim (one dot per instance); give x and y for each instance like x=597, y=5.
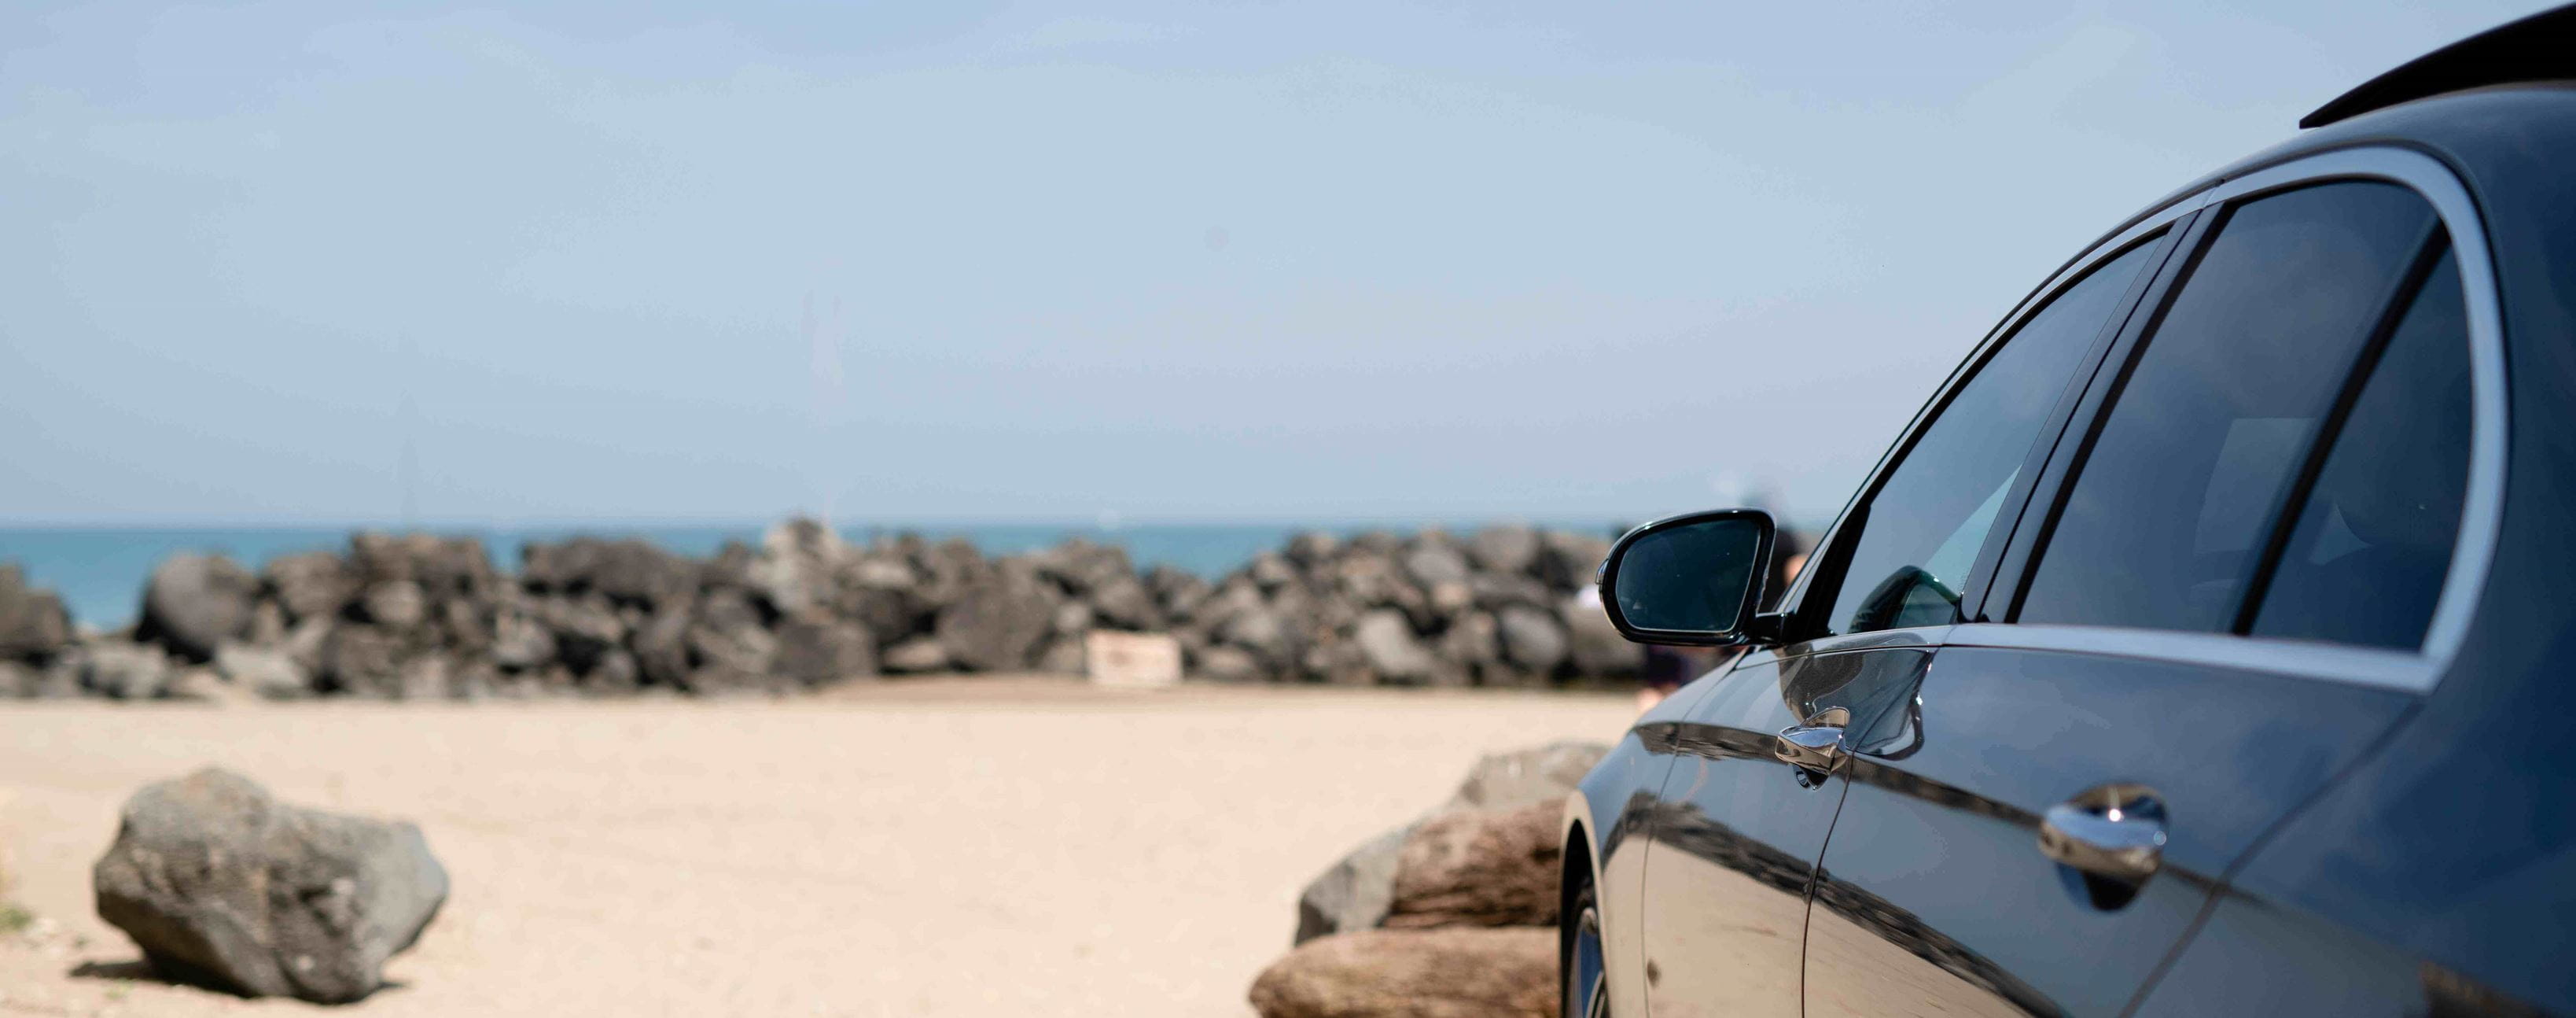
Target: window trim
x=2481, y=518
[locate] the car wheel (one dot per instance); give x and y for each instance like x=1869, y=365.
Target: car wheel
x=1586, y=979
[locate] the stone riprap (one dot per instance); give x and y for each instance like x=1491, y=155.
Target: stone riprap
x=423, y=616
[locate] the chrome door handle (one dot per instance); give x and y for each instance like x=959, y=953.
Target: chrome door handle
x=1814, y=747
x=2116, y=832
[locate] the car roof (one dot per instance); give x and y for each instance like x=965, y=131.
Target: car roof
x=2541, y=47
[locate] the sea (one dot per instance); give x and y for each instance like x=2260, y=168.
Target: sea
x=99, y=571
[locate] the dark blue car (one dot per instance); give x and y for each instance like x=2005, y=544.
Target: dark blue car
x=2206, y=646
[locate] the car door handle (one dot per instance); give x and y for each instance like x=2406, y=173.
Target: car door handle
x=2116, y=832
x=1814, y=747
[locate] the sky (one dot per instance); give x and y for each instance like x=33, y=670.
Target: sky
x=333, y=262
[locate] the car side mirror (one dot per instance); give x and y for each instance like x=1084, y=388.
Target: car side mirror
x=1693, y=580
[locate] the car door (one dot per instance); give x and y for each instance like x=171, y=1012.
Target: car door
x=2090, y=766
x=1731, y=858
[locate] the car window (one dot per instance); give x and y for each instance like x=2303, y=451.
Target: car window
x=2165, y=521
x=2366, y=560
x=1918, y=536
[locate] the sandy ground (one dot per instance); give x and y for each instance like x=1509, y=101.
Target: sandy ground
x=966, y=847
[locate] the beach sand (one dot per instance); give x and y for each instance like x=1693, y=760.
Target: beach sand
x=990, y=846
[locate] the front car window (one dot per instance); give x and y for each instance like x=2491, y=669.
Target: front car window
x=1919, y=535
x=2165, y=524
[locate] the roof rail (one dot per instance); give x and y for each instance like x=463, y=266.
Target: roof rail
x=2541, y=47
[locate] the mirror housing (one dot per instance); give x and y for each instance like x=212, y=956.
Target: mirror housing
x=1693, y=580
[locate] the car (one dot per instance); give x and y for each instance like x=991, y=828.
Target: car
x=2205, y=645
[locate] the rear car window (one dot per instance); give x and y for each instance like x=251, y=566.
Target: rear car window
x=2365, y=561
x=2165, y=524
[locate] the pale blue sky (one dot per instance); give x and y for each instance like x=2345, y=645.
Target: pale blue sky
x=1180, y=262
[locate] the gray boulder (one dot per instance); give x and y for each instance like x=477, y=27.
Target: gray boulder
x=1594, y=645
x=193, y=603
x=362, y=661
x=1227, y=664
x=399, y=604
x=1567, y=561
x=1511, y=549
x=269, y=673
x=1353, y=893
x=33, y=624
x=1539, y=774
x=311, y=585
x=1532, y=638
x=996, y=625
x=820, y=650
x=222, y=885
x=1386, y=639
x=1435, y=559
x=917, y=655
x=120, y=670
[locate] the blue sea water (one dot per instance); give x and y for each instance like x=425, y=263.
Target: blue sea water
x=99, y=571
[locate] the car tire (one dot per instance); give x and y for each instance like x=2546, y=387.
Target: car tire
x=1585, y=978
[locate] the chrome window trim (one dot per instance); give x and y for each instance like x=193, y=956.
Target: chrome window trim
x=2329, y=662
x=1917, y=637
x=2482, y=511
x=2102, y=250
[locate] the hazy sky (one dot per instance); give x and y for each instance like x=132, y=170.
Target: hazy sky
x=259, y=262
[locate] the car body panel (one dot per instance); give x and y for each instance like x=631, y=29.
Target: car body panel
x=1935, y=859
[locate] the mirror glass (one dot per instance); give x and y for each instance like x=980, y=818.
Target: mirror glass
x=1689, y=578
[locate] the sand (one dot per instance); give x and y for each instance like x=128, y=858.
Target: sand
x=950, y=847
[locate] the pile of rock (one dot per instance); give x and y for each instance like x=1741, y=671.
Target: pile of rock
x=421, y=616
x=1453, y=914
x=1499, y=608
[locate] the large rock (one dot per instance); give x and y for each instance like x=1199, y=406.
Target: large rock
x=1567, y=561
x=799, y=562
x=312, y=585
x=1532, y=639
x=1354, y=893
x=1468, y=973
x=120, y=670
x=1594, y=645
x=1387, y=639
x=917, y=655
x=220, y=884
x=1479, y=867
x=193, y=603
x=269, y=673
x=820, y=650
x=1522, y=777
x=996, y=625
x=33, y=624
x=1509, y=549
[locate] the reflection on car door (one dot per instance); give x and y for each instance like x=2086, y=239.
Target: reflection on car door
x=2078, y=791
x=1733, y=854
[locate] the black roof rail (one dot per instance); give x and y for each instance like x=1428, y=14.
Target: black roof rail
x=2541, y=47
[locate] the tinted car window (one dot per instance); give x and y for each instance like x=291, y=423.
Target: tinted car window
x=2366, y=560
x=2164, y=524
x=1920, y=534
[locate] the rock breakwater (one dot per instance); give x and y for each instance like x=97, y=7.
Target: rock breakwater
x=424, y=616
